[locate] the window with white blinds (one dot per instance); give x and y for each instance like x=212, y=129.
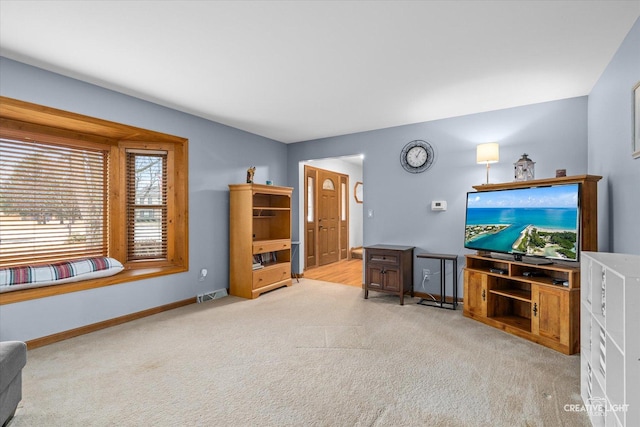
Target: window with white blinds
x=146, y=205
x=53, y=202
x=74, y=186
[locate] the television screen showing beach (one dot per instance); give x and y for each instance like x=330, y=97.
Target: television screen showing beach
x=539, y=221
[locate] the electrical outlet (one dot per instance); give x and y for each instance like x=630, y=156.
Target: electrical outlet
x=426, y=273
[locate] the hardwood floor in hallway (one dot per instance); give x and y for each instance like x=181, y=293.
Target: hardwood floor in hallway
x=346, y=272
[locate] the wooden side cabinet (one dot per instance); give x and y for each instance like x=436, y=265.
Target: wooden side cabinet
x=538, y=302
x=389, y=269
x=259, y=238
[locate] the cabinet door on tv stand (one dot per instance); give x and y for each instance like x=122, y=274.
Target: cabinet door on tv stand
x=475, y=293
x=549, y=313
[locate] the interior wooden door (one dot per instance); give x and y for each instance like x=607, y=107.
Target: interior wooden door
x=328, y=217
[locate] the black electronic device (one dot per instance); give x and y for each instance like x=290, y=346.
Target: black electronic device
x=533, y=274
x=562, y=282
x=498, y=270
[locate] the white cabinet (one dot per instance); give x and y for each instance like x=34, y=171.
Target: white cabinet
x=610, y=338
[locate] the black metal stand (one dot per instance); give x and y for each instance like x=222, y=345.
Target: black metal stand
x=443, y=303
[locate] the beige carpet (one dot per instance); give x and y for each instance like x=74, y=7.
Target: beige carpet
x=314, y=354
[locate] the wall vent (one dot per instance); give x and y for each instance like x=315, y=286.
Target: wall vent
x=207, y=296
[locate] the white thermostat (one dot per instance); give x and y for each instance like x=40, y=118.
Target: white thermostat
x=438, y=205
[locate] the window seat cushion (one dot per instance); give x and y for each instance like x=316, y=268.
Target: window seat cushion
x=32, y=276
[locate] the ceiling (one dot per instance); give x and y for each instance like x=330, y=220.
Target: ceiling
x=296, y=71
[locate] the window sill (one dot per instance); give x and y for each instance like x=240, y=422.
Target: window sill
x=65, y=288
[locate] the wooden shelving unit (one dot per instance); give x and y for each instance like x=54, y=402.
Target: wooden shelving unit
x=259, y=225
x=523, y=300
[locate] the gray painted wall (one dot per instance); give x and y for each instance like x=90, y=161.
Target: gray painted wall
x=218, y=155
x=554, y=134
x=610, y=136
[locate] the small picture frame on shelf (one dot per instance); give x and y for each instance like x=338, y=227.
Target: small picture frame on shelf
x=635, y=150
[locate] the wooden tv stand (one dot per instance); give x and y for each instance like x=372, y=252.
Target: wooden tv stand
x=523, y=300
x=531, y=306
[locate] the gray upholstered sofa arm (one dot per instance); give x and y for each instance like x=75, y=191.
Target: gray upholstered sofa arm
x=13, y=357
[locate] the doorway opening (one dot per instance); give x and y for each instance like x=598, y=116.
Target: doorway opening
x=331, y=214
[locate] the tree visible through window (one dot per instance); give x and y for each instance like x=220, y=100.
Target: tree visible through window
x=52, y=202
x=147, y=205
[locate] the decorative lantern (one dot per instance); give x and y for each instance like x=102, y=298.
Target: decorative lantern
x=524, y=169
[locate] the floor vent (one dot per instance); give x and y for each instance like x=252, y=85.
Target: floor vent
x=220, y=293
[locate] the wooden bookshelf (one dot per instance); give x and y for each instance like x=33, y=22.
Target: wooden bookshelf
x=259, y=226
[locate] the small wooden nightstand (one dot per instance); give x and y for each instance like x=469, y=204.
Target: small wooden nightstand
x=389, y=269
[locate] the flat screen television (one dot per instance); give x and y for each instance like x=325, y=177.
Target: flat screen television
x=538, y=222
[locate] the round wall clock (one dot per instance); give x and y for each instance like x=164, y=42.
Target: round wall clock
x=417, y=156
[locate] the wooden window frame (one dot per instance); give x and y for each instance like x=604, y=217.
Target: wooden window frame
x=20, y=120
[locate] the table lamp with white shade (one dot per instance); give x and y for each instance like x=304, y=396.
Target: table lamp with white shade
x=488, y=153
